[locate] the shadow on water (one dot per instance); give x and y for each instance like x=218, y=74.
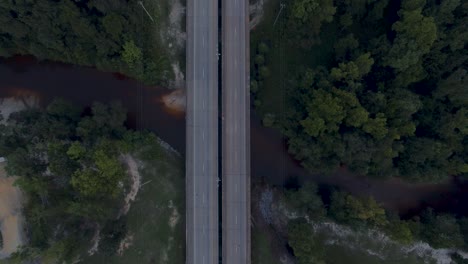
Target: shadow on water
x=82, y=86
x=271, y=162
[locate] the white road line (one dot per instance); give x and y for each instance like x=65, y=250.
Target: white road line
x=203, y=73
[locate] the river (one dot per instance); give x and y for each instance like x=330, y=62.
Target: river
x=23, y=76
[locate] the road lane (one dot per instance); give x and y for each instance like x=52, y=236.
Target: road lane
x=236, y=137
x=202, y=133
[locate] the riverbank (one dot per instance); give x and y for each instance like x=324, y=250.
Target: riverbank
x=271, y=162
x=11, y=218
x=155, y=221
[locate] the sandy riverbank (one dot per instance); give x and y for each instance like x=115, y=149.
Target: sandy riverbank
x=11, y=220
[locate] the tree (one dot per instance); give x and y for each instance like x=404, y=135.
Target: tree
x=100, y=180
x=345, y=45
x=302, y=240
x=441, y=231
x=113, y=24
x=376, y=126
x=313, y=12
x=400, y=231
x=415, y=35
x=348, y=209
x=307, y=201
x=325, y=114
x=106, y=120
x=131, y=54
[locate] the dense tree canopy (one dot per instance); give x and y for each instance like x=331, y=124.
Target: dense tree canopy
x=392, y=101
x=68, y=166
x=114, y=35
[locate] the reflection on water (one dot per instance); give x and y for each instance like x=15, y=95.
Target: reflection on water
x=271, y=163
x=83, y=86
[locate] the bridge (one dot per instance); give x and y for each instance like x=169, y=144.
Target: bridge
x=210, y=139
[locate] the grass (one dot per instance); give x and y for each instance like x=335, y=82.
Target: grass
x=286, y=58
x=262, y=253
x=154, y=241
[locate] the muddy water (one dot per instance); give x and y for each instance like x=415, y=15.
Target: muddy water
x=82, y=86
x=270, y=161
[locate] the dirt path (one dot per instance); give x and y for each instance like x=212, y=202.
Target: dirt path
x=11, y=220
x=134, y=174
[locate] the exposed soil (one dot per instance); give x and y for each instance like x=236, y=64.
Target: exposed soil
x=256, y=12
x=135, y=178
x=11, y=220
x=10, y=105
x=175, y=101
x=260, y=224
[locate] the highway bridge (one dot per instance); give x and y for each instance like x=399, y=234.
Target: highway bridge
x=235, y=132
x=202, y=233
x=207, y=143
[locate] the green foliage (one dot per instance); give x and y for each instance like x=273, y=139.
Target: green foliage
x=131, y=54
x=302, y=240
x=268, y=120
x=391, y=100
x=306, y=201
x=415, y=35
x=441, y=231
x=104, y=34
x=400, y=231
x=68, y=166
x=263, y=48
x=312, y=13
x=349, y=209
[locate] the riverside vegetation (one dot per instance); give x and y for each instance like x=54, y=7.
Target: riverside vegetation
x=376, y=86
x=69, y=166
x=111, y=35
x=439, y=230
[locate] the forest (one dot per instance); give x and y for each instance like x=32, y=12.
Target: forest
x=440, y=230
x=69, y=166
x=111, y=35
x=379, y=87
x=386, y=93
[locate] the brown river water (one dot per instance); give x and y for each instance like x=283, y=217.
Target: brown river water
x=24, y=76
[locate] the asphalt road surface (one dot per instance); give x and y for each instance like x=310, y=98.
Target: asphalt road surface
x=236, y=137
x=202, y=133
